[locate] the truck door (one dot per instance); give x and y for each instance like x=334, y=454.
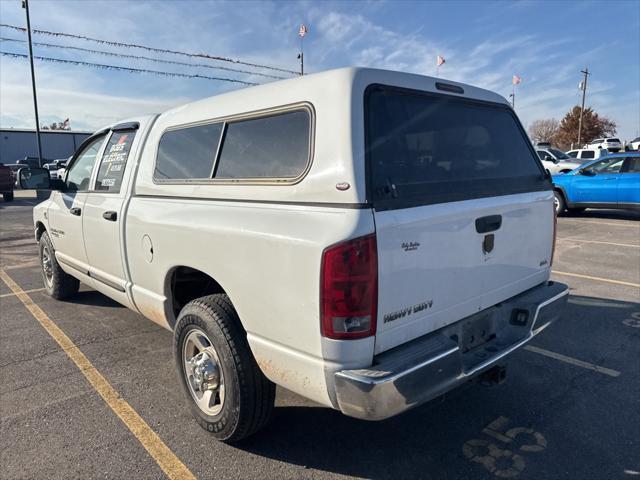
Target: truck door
x=66, y=211
x=103, y=210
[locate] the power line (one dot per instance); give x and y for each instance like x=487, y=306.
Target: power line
x=139, y=57
x=125, y=69
x=144, y=47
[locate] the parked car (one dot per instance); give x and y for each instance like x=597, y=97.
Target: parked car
x=6, y=183
x=14, y=172
x=54, y=167
x=586, y=155
x=245, y=223
x=610, y=144
x=610, y=182
x=29, y=161
x=635, y=144
x=556, y=161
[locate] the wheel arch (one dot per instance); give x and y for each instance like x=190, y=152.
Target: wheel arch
x=561, y=191
x=40, y=229
x=184, y=283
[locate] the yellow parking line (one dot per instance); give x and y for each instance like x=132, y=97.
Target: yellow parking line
x=25, y=291
x=600, y=242
x=164, y=457
x=598, y=279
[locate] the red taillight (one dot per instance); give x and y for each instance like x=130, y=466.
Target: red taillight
x=349, y=289
x=555, y=229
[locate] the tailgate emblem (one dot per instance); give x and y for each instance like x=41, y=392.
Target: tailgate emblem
x=410, y=246
x=487, y=244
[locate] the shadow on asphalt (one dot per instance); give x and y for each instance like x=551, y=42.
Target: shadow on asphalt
x=427, y=441
x=605, y=214
x=19, y=202
x=93, y=298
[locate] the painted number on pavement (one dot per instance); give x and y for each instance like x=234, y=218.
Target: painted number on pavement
x=504, y=455
x=634, y=321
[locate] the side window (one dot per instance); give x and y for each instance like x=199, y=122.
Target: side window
x=114, y=161
x=187, y=153
x=633, y=165
x=80, y=172
x=268, y=147
x=609, y=165
x=541, y=154
x=588, y=154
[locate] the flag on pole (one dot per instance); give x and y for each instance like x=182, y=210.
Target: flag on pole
x=439, y=60
x=581, y=86
x=516, y=80
x=302, y=31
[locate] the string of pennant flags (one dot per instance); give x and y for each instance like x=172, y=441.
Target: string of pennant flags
x=125, y=69
x=140, y=57
x=145, y=47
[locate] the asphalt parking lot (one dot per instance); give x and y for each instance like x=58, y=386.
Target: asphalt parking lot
x=570, y=408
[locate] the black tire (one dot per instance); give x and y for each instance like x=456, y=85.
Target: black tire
x=560, y=204
x=7, y=196
x=249, y=396
x=59, y=285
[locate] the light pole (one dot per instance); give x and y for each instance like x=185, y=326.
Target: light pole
x=583, y=87
x=25, y=5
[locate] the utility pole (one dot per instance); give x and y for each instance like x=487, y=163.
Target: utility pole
x=583, y=87
x=25, y=5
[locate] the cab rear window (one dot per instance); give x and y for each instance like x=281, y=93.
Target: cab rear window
x=424, y=148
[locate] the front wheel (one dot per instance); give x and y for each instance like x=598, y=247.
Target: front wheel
x=228, y=394
x=558, y=202
x=57, y=283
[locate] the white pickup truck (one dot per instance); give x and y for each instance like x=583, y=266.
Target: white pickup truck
x=368, y=239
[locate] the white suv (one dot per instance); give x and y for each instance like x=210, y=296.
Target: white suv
x=611, y=144
x=556, y=161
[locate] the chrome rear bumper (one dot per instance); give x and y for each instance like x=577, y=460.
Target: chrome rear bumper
x=429, y=366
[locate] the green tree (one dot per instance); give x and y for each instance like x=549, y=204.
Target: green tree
x=593, y=126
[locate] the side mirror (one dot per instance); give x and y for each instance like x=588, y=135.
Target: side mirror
x=34, y=178
x=587, y=172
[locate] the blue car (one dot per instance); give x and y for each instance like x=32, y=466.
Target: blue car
x=608, y=182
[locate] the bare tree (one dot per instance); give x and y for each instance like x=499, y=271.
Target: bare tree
x=544, y=130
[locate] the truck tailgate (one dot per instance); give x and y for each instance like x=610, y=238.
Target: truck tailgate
x=435, y=267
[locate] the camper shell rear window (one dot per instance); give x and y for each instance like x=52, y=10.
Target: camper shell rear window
x=424, y=148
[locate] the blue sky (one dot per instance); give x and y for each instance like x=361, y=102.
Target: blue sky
x=546, y=43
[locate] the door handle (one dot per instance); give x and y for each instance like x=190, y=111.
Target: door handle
x=75, y=211
x=487, y=224
x=110, y=215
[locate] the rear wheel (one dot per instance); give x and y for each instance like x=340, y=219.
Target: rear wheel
x=57, y=283
x=558, y=202
x=228, y=394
